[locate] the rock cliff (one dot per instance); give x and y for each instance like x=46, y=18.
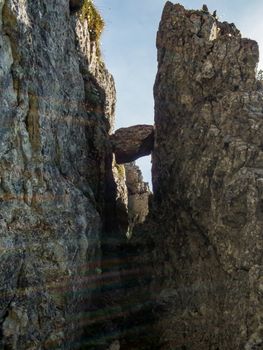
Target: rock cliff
x=191, y=274
x=56, y=105
x=207, y=181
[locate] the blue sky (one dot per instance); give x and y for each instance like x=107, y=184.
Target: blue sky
x=128, y=47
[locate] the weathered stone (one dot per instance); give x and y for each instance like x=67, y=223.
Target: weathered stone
x=55, y=163
x=138, y=196
x=115, y=345
x=132, y=143
x=191, y=275
x=205, y=8
x=119, y=175
x=132, y=196
x=208, y=175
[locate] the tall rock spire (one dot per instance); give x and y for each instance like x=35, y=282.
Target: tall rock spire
x=208, y=184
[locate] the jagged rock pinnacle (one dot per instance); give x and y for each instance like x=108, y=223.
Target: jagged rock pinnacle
x=205, y=8
x=208, y=183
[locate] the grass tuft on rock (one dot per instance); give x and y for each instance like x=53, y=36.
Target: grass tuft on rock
x=96, y=24
x=120, y=169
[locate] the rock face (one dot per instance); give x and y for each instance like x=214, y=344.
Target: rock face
x=119, y=174
x=56, y=106
x=191, y=276
x=132, y=143
x=207, y=178
x=132, y=199
x=138, y=196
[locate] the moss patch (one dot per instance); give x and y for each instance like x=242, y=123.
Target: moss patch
x=121, y=170
x=95, y=22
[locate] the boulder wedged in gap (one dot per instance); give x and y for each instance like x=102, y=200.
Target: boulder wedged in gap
x=132, y=143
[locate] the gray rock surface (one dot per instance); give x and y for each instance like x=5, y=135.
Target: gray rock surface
x=119, y=175
x=132, y=196
x=138, y=196
x=75, y=5
x=132, y=143
x=191, y=276
x=207, y=179
x=56, y=107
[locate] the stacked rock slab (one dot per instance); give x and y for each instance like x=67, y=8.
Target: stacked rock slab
x=208, y=185
x=54, y=161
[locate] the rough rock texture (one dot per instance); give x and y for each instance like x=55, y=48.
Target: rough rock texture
x=56, y=107
x=119, y=174
x=132, y=143
x=191, y=276
x=138, y=196
x=132, y=197
x=208, y=186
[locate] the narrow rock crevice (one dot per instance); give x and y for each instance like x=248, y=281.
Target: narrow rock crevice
x=89, y=257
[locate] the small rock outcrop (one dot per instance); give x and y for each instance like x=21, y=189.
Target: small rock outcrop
x=138, y=196
x=132, y=199
x=132, y=143
x=119, y=175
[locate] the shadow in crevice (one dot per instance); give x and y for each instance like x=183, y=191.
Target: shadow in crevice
x=95, y=305
x=105, y=310
x=122, y=297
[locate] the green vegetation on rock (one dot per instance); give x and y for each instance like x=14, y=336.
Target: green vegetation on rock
x=95, y=21
x=121, y=170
